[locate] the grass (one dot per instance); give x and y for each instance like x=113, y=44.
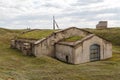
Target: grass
x=36, y=34
x=113, y=34
x=15, y=66
x=73, y=39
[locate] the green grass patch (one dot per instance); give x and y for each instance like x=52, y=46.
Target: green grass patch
x=73, y=38
x=37, y=34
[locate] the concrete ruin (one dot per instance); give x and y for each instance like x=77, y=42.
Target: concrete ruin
x=90, y=48
x=102, y=25
x=24, y=45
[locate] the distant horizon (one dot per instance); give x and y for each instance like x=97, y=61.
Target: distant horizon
x=56, y=28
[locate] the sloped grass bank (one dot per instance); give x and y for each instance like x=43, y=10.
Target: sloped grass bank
x=111, y=34
x=15, y=66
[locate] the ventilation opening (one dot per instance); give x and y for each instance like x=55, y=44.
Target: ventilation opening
x=66, y=58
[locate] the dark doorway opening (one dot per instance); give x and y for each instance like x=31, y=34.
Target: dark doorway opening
x=66, y=58
x=94, y=52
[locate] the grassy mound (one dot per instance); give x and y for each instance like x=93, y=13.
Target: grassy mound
x=6, y=35
x=113, y=34
x=36, y=34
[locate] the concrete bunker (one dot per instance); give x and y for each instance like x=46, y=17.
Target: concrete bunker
x=90, y=48
x=87, y=46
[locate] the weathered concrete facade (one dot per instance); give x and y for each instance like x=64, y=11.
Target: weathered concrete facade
x=47, y=46
x=102, y=25
x=26, y=46
x=79, y=52
x=70, y=52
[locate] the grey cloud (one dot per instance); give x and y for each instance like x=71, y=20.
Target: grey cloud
x=27, y=20
x=74, y=16
x=68, y=15
x=49, y=5
x=32, y=17
x=90, y=15
x=86, y=2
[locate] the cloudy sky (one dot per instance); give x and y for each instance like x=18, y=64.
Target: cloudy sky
x=38, y=13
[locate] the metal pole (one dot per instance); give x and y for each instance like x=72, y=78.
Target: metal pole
x=53, y=23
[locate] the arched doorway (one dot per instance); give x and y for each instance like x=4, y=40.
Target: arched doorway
x=94, y=52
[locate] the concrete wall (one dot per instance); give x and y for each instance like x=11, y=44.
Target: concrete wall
x=46, y=46
x=62, y=51
x=107, y=50
x=21, y=45
x=82, y=52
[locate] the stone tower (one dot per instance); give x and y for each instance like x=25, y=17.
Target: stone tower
x=102, y=25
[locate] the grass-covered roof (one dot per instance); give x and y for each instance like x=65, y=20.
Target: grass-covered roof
x=36, y=34
x=73, y=38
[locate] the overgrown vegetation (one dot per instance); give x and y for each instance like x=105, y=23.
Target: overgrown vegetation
x=73, y=38
x=36, y=34
x=15, y=66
